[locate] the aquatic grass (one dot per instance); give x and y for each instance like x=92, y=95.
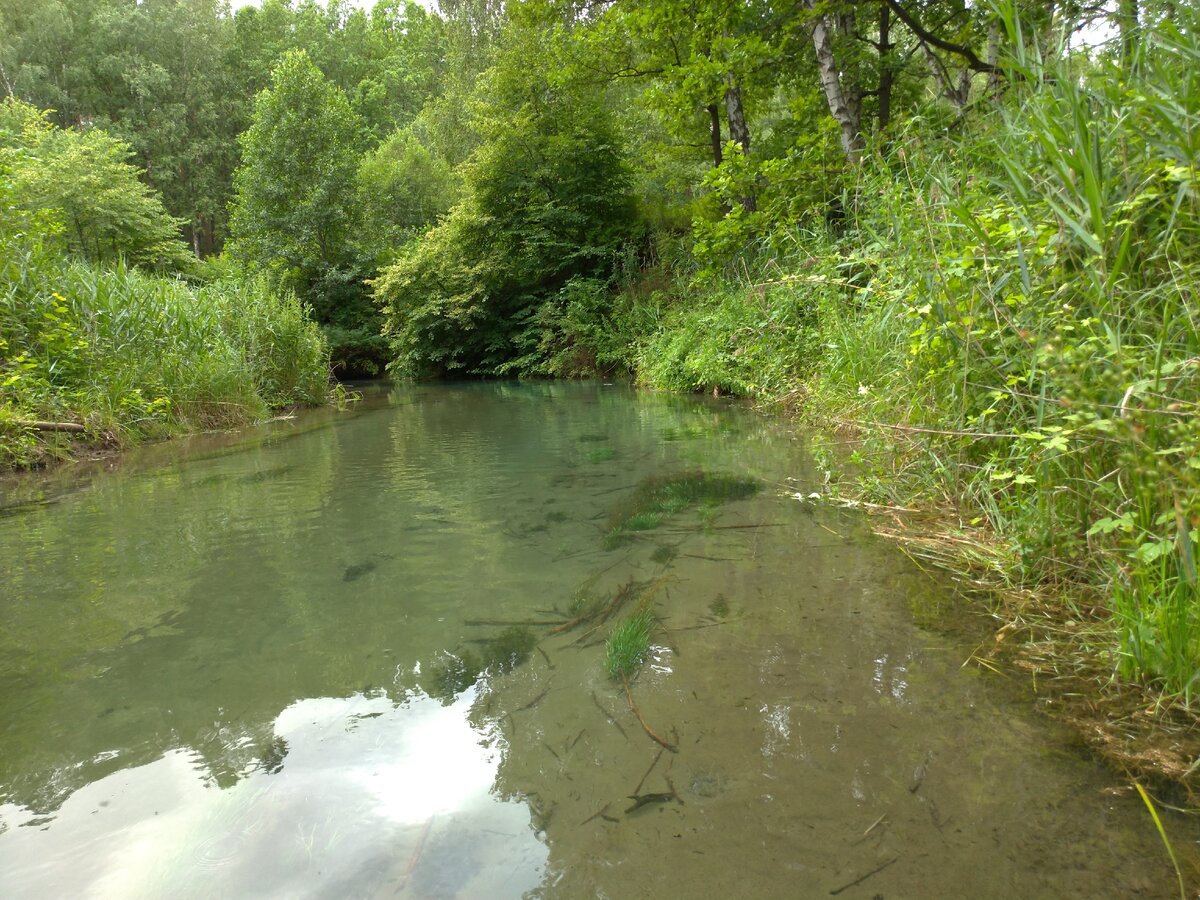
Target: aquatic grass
x=664, y=553
x=1162, y=833
x=628, y=645
x=660, y=496
x=643, y=521
x=601, y=454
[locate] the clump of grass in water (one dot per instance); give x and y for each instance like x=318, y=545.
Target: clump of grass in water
x=601, y=454
x=719, y=607
x=664, y=553
x=628, y=645
x=662, y=496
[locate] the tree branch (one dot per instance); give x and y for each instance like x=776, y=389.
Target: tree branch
x=972, y=60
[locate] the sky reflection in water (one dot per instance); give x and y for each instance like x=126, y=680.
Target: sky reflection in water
x=372, y=797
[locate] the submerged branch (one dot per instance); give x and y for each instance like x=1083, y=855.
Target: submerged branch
x=633, y=707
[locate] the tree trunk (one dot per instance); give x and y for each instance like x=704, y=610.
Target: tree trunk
x=831, y=83
x=714, y=120
x=957, y=94
x=886, y=75
x=993, y=58
x=739, y=131
x=735, y=114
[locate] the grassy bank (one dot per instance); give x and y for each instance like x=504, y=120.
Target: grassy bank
x=1006, y=328
x=102, y=341
x=129, y=355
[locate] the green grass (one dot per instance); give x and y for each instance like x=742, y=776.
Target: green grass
x=658, y=497
x=627, y=647
x=1008, y=317
x=1027, y=317
x=130, y=355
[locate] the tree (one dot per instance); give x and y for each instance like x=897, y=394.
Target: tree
x=294, y=214
x=107, y=213
x=291, y=214
x=546, y=200
x=403, y=186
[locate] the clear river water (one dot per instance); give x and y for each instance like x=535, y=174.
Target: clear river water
x=362, y=654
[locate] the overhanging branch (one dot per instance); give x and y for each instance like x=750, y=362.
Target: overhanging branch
x=969, y=56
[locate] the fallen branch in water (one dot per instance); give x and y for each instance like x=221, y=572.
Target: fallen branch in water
x=532, y=703
x=862, y=878
x=633, y=707
x=623, y=593
x=596, y=815
x=657, y=757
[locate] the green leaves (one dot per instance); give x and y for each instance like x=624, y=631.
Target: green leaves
x=86, y=180
x=299, y=161
x=545, y=200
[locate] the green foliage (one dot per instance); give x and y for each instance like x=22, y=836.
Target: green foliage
x=128, y=354
x=85, y=176
x=294, y=215
x=545, y=201
x=746, y=340
x=1027, y=294
x=403, y=186
x=290, y=216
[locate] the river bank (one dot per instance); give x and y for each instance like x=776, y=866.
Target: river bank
x=96, y=360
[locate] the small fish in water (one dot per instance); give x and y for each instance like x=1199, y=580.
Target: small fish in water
x=640, y=800
x=355, y=572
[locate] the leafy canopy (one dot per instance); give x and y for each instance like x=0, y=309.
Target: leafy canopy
x=106, y=211
x=293, y=212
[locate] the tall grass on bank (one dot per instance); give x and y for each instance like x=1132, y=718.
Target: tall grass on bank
x=131, y=355
x=1033, y=306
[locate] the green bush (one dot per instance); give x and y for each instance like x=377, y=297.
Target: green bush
x=105, y=211
x=747, y=340
x=129, y=354
x=546, y=200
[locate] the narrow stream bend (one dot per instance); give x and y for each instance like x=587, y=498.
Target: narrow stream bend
x=367, y=659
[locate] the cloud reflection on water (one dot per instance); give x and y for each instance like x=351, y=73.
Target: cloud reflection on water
x=374, y=798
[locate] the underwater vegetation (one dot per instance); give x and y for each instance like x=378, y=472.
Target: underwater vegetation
x=664, y=495
x=453, y=673
x=664, y=553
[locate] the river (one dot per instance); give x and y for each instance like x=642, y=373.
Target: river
x=362, y=654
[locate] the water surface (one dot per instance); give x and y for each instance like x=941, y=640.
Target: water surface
x=249, y=668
